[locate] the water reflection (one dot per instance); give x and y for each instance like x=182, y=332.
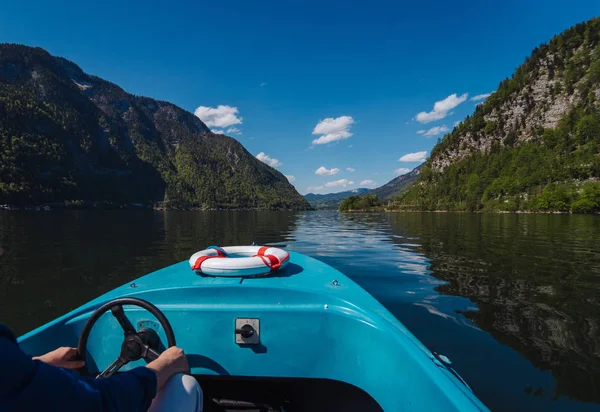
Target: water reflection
x=513, y=300
x=56, y=261
x=534, y=280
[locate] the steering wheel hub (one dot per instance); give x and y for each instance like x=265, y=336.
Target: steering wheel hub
x=132, y=348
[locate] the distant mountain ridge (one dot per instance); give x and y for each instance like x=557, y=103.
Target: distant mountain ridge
x=66, y=136
x=395, y=186
x=392, y=188
x=332, y=200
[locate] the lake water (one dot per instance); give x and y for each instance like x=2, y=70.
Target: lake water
x=512, y=300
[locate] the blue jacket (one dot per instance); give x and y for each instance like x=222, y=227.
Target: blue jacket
x=32, y=385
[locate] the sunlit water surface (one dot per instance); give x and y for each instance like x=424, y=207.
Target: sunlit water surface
x=512, y=300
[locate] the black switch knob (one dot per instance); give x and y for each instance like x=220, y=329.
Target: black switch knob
x=246, y=331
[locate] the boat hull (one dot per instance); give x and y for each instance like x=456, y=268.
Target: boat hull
x=315, y=323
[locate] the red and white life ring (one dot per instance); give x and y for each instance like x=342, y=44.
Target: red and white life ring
x=239, y=260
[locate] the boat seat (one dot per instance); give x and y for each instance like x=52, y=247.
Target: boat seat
x=230, y=405
x=244, y=394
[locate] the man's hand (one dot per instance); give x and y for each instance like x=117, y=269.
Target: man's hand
x=169, y=363
x=63, y=358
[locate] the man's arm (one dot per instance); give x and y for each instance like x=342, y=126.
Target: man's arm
x=27, y=384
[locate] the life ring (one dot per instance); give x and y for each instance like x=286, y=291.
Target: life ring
x=238, y=261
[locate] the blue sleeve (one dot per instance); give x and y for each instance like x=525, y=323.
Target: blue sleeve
x=28, y=385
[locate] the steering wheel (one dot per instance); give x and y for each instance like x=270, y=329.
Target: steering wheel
x=136, y=344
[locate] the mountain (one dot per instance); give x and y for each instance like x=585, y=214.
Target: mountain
x=392, y=188
x=397, y=185
x=331, y=200
x=534, y=144
x=69, y=137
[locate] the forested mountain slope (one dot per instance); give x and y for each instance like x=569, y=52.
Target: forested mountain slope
x=66, y=136
x=395, y=186
x=534, y=144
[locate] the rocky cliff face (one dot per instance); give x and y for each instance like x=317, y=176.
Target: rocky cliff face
x=537, y=134
x=66, y=136
x=557, y=78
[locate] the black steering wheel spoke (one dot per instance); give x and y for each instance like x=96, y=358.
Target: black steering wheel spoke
x=122, y=318
x=151, y=354
x=142, y=344
x=113, y=368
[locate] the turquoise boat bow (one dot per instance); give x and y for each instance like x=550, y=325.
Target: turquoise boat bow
x=305, y=338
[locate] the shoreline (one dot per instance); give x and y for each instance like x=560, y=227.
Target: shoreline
x=126, y=206
x=524, y=212
x=157, y=207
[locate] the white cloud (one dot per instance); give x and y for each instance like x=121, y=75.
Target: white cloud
x=367, y=183
x=217, y=131
x=323, y=171
x=290, y=178
x=441, y=108
x=263, y=84
x=413, y=157
x=234, y=130
x=434, y=131
x=456, y=123
x=221, y=116
x=351, y=169
x=268, y=160
x=401, y=171
x=332, y=130
x=480, y=97
x=421, y=131
x=339, y=183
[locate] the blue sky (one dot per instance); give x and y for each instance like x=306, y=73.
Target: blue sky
x=359, y=75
